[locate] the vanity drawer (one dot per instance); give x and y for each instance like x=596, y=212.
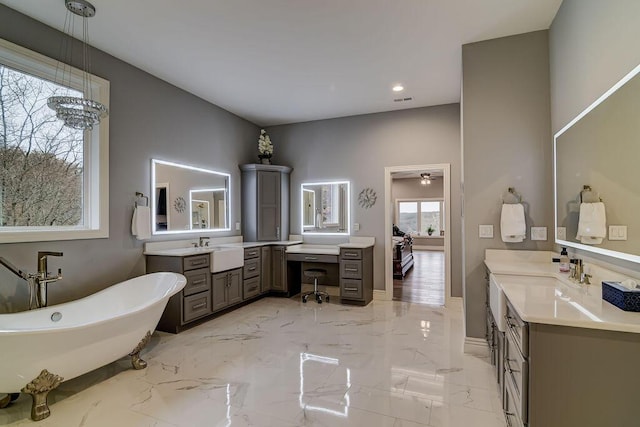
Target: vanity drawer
x=516, y=369
x=351, y=253
x=196, y=305
x=251, y=287
x=313, y=258
x=519, y=329
x=351, y=288
x=511, y=406
x=351, y=269
x=197, y=281
x=251, y=268
x=251, y=253
x=195, y=261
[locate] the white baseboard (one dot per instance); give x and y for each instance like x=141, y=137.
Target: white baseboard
x=381, y=295
x=476, y=346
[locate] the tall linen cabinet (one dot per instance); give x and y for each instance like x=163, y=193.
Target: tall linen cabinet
x=265, y=202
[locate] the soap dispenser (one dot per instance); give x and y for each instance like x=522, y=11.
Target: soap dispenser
x=564, y=261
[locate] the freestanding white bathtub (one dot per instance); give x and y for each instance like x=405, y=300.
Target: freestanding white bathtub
x=68, y=340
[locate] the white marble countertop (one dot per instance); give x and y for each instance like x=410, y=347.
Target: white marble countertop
x=259, y=244
x=181, y=251
x=541, y=294
x=355, y=245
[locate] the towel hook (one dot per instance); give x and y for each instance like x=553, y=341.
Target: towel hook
x=141, y=198
x=511, y=197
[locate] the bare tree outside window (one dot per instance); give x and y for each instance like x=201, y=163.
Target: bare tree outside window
x=41, y=179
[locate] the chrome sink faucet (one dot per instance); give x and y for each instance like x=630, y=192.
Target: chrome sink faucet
x=43, y=278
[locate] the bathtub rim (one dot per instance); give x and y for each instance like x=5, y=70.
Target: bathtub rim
x=177, y=286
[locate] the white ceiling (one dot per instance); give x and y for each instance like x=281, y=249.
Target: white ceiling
x=287, y=61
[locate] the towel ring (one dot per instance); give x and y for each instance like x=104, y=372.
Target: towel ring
x=511, y=197
x=587, y=195
x=142, y=200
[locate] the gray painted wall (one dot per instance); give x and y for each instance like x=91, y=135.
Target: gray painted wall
x=592, y=45
x=358, y=149
x=506, y=143
x=149, y=119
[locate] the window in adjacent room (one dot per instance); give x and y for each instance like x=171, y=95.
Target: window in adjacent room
x=416, y=216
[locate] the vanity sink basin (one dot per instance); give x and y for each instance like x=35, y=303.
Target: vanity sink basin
x=498, y=303
x=226, y=258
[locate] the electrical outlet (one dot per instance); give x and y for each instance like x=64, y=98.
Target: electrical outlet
x=539, y=233
x=237, y=226
x=356, y=226
x=485, y=231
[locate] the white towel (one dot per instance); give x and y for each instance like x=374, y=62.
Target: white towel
x=513, y=227
x=141, y=223
x=592, y=224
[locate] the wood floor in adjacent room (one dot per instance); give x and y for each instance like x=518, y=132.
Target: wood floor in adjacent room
x=424, y=283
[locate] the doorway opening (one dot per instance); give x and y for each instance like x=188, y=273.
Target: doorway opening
x=418, y=244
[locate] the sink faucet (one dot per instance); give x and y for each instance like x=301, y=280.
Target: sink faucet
x=203, y=241
x=577, y=272
x=43, y=278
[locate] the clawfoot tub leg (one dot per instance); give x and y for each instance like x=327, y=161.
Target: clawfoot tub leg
x=136, y=362
x=39, y=389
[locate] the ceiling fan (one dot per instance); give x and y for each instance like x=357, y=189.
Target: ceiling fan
x=426, y=178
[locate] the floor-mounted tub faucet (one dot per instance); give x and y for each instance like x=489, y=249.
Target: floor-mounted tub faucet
x=43, y=278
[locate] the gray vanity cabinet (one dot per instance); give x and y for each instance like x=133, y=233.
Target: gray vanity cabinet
x=279, y=268
x=356, y=275
x=226, y=289
x=195, y=300
x=251, y=273
x=265, y=270
x=265, y=202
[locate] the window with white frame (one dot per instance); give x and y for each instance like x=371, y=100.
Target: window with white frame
x=53, y=179
x=417, y=216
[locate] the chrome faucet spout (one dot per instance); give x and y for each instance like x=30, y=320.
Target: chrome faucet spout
x=43, y=278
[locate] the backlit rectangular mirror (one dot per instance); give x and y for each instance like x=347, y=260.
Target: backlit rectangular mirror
x=188, y=199
x=600, y=149
x=325, y=207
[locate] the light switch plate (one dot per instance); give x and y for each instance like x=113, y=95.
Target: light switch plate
x=539, y=233
x=562, y=233
x=485, y=231
x=356, y=226
x=237, y=226
x=617, y=232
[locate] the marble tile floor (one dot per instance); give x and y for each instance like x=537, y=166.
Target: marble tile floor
x=278, y=362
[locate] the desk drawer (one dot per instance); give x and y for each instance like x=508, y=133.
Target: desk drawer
x=197, y=281
x=197, y=305
x=195, y=261
x=351, y=269
x=350, y=289
x=251, y=253
x=313, y=258
x=251, y=268
x=251, y=287
x=351, y=253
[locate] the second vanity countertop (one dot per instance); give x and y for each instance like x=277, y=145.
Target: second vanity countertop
x=541, y=294
x=216, y=247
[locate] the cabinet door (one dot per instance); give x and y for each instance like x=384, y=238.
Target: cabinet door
x=265, y=273
x=219, y=291
x=279, y=264
x=234, y=286
x=268, y=205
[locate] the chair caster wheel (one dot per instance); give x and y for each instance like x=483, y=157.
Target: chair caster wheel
x=319, y=300
x=304, y=299
x=327, y=298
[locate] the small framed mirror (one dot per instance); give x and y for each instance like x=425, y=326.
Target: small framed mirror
x=325, y=207
x=188, y=199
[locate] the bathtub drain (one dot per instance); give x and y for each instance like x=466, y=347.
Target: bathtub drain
x=56, y=316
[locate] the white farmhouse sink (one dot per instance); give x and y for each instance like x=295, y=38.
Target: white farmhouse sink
x=498, y=303
x=226, y=258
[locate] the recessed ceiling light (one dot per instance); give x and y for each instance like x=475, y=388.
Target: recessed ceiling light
x=398, y=88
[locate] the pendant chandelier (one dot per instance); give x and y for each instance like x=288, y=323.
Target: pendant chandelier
x=78, y=112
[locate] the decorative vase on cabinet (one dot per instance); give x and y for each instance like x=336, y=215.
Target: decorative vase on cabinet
x=265, y=202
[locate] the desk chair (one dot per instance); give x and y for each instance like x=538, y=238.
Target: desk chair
x=315, y=273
